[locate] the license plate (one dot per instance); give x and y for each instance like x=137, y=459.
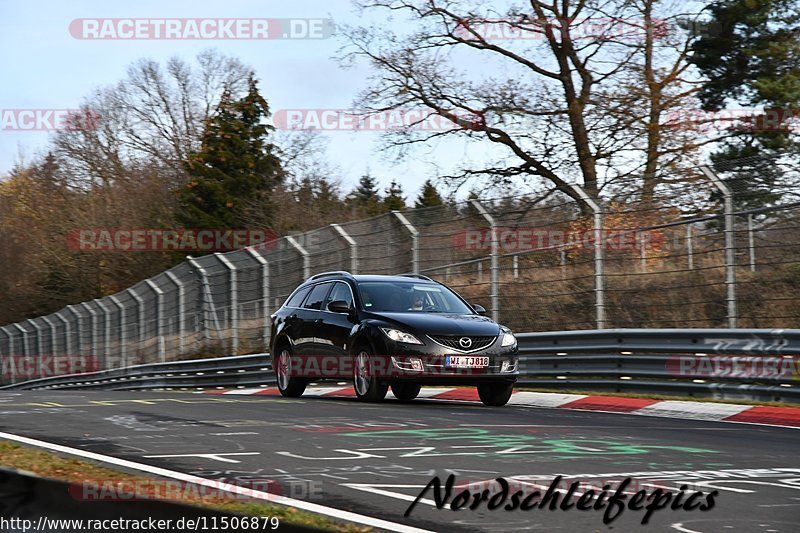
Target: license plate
x=465, y=361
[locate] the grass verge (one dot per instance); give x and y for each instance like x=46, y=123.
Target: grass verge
x=71, y=470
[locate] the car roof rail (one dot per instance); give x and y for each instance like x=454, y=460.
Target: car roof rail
x=418, y=276
x=329, y=274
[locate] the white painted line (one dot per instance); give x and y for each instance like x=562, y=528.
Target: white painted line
x=235, y=489
x=679, y=526
x=244, y=391
x=212, y=456
x=373, y=489
x=543, y=399
x=692, y=410
x=428, y=392
x=321, y=391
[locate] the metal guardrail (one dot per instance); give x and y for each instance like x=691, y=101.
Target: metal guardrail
x=754, y=364
x=235, y=371
x=744, y=364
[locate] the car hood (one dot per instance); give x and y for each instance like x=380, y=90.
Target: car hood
x=444, y=324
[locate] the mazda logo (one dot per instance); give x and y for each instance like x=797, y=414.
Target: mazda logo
x=465, y=342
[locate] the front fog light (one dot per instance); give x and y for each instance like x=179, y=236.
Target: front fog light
x=416, y=363
x=505, y=366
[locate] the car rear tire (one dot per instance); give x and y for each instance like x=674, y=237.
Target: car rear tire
x=366, y=384
x=289, y=386
x=405, y=392
x=495, y=394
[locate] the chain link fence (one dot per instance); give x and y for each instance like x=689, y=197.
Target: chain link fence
x=706, y=250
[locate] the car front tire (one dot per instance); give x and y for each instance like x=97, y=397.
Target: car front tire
x=405, y=392
x=366, y=384
x=290, y=387
x=495, y=394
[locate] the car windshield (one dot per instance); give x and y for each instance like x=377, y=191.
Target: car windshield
x=410, y=297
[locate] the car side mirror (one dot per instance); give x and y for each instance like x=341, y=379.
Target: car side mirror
x=339, y=306
x=479, y=309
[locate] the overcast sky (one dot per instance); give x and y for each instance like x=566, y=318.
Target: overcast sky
x=46, y=67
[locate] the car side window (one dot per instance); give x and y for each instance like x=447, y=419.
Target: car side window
x=297, y=298
x=316, y=299
x=341, y=291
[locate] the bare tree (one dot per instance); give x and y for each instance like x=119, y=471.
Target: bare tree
x=156, y=114
x=572, y=90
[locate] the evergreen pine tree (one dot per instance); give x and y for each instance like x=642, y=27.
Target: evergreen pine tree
x=394, y=200
x=429, y=196
x=235, y=166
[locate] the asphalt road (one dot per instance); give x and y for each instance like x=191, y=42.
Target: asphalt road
x=374, y=459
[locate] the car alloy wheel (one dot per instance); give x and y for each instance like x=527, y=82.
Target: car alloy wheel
x=365, y=382
x=287, y=385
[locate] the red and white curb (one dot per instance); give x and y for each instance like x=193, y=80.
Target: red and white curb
x=721, y=412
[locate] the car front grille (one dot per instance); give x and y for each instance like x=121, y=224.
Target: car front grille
x=454, y=342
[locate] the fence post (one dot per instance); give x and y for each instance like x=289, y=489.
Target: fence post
x=25, y=348
x=106, y=332
x=162, y=352
x=353, y=247
x=11, y=357
x=751, y=242
x=304, y=254
x=206, y=294
x=414, y=240
x=234, y=316
x=78, y=333
x=123, y=346
x=599, y=256
x=264, y=291
x=181, y=310
x=68, y=345
x=494, y=260
x=515, y=265
x=8, y=342
x=93, y=331
x=140, y=308
x=52, y=334
x=730, y=243
x=690, y=245
x=642, y=251
x=38, y=346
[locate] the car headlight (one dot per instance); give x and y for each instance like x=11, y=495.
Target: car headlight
x=508, y=338
x=400, y=336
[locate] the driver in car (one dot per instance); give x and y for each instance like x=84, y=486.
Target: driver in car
x=417, y=303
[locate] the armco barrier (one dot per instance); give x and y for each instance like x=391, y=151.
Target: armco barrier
x=237, y=371
x=754, y=364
